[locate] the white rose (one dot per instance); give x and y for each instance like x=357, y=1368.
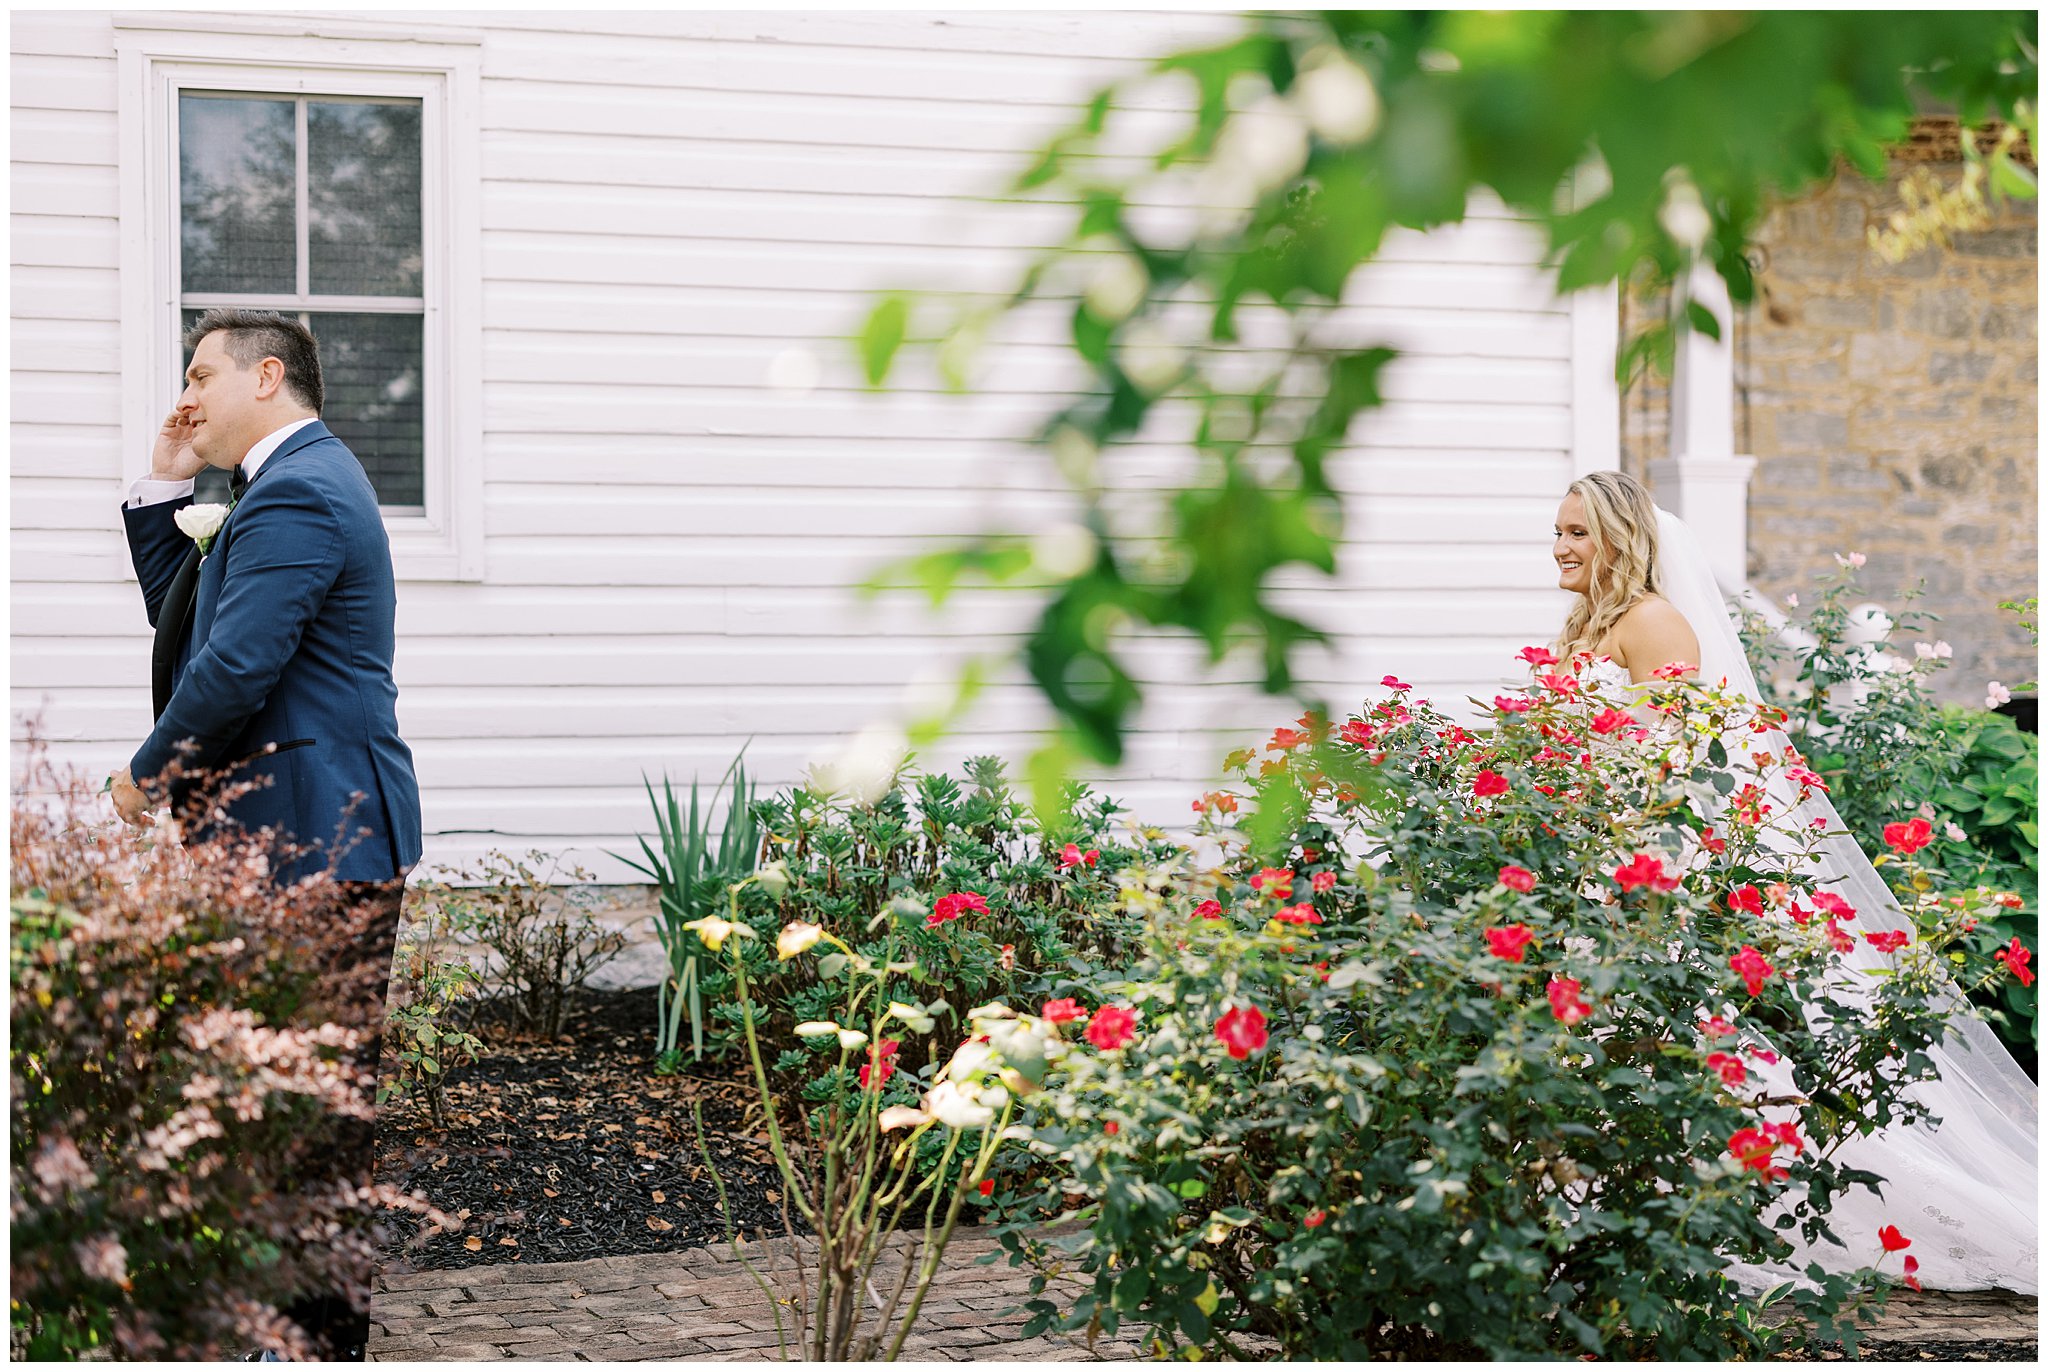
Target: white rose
x=201, y=522
x=956, y=1109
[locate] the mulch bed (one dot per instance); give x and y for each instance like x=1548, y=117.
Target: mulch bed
x=567, y=1149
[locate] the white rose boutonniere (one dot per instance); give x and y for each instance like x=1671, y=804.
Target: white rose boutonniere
x=201, y=523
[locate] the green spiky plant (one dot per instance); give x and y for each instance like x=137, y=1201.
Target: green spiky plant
x=693, y=868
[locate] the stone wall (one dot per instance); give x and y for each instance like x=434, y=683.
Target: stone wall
x=1892, y=411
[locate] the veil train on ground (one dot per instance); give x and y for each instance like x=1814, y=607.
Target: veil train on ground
x=1963, y=1189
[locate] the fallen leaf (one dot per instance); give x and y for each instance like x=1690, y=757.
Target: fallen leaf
x=775, y=1198
x=473, y=1244
x=550, y=1192
x=463, y=1213
x=615, y=1129
x=508, y=1242
x=659, y=1226
x=563, y=1222
x=660, y=1198
x=644, y=1119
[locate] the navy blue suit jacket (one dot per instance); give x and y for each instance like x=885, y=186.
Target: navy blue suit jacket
x=287, y=674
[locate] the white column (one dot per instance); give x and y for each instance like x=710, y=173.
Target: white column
x=1705, y=481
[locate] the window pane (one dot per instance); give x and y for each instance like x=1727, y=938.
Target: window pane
x=363, y=190
x=237, y=193
x=372, y=367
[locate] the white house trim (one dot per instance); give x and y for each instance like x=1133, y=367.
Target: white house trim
x=160, y=55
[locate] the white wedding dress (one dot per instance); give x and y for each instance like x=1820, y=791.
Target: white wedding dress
x=1964, y=1190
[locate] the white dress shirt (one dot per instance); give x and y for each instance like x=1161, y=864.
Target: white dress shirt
x=149, y=491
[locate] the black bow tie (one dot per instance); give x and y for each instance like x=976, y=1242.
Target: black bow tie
x=238, y=481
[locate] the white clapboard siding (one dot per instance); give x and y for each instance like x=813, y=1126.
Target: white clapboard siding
x=683, y=219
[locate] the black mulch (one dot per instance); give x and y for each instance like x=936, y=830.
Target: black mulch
x=558, y=1151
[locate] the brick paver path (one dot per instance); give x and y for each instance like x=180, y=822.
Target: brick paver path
x=701, y=1305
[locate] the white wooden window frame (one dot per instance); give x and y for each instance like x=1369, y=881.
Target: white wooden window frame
x=161, y=55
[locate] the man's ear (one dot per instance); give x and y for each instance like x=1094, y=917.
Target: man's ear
x=269, y=377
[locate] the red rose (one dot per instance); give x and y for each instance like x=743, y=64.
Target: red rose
x=1889, y=941
x=1746, y=900
x=1841, y=941
x=1716, y=846
x=953, y=906
x=1513, y=705
x=1517, y=878
x=1753, y=1149
x=1912, y=1266
x=1647, y=869
x=1909, y=838
x=1716, y=1027
x=1358, y=732
x=1786, y=1133
x=1209, y=909
x=1110, y=1128
x=1749, y=964
x=1892, y=1239
x=2016, y=957
x=1675, y=671
x=1242, y=1031
x=1607, y=721
x=1063, y=1011
x=883, y=1057
x=1563, y=685
x=1489, y=783
x=1395, y=684
x=1298, y=914
x=1538, y=657
x=1510, y=943
x=1111, y=1027
x=1834, y=905
x=1565, y=1002
x=1284, y=739
x=987, y=1186
x=1728, y=1067
x=1277, y=883
x=1314, y=1219
x=1323, y=883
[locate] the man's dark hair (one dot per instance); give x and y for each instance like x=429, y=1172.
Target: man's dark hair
x=253, y=335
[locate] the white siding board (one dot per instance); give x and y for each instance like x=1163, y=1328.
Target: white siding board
x=672, y=203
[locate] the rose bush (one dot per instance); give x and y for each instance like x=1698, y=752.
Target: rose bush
x=960, y=878
x=1483, y=1044
x=1866, y=715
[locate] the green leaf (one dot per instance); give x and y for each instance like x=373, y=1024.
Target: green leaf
x=882, y=335
x=1702, y=320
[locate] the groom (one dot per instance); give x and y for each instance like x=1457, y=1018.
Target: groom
x=274, y=642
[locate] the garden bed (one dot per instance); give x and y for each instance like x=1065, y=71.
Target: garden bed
x=572, y=1148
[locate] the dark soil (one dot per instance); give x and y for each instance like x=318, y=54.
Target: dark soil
x=572, y=1148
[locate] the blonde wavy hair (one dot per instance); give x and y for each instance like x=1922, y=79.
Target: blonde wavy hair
x=1623, y=522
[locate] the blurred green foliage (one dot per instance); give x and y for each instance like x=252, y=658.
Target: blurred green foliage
x=1639, y=143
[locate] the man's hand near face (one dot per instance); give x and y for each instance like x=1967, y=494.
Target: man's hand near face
x=131, y=802
x=173, y=458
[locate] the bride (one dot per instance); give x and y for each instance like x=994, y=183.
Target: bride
x=1963, y=1181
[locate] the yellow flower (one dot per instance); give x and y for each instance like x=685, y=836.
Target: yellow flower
x=714, y=931
x=796, y=937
